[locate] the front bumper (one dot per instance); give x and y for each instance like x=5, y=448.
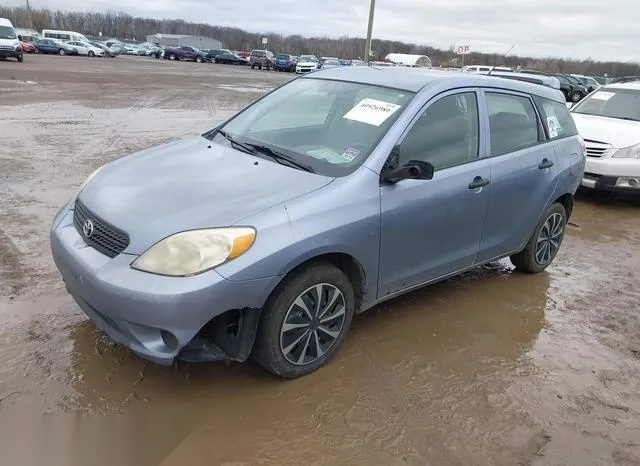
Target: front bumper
x=6, y=53
x=152, y=315
x=612, y=174
x=305, y=69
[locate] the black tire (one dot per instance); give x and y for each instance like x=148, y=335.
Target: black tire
x=20, y=58
x=61, y=52
x=526, y=260
x=576, y=96
x=91, y=54
x=172, y=57
x=268, y=350
x=198, y=59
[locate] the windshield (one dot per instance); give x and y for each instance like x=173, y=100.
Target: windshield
x=7, y=33
x=612, y=103
x=308, y=58
x=574, y=80
x=330, y=126
x=282, y=57
x=332, y=62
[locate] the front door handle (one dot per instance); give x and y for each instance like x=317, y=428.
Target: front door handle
x=546, y=163
x=478, y=182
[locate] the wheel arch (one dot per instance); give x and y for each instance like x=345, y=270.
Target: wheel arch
x=567, y=202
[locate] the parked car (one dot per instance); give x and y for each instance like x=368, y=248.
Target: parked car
x=307, y=63
x=261, y=59
x=154, y=51
x=55, y=46
x=9, y=43
x=357, y=63
x=572, y=89
x=85, y=48
x=213, y=53
x=587, y=81
x=107, y=51
x=245, y=55
x=117, y=48
x=27, y=47
x=609, y=121
x=330, y=63
x=185, y=52
x=284, y=62
x=325, y=197
x=230, y=59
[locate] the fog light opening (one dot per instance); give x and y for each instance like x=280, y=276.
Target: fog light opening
x=169, y=340
x=633, y=182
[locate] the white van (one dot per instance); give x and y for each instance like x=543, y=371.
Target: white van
x=9, y=43
x=64, y=36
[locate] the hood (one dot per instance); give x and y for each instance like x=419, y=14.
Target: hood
x=307, y=63
x=618, y=133
x=186, y=185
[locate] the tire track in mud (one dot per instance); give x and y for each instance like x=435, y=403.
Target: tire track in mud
x=13, y=273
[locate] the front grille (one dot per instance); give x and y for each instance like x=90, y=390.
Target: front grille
x=6, y=47
x=107, y=239
x=596, y=148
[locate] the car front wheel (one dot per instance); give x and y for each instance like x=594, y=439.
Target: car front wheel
x=544, y=244
x=305, y=321
x=91, y=54
x=576, y=96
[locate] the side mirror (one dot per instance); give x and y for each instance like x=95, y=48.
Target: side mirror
x=413, y=170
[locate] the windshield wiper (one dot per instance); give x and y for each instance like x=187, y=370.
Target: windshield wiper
x=238, y=145
x=280, y=157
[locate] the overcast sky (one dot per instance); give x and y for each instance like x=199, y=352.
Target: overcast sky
x=598, y=29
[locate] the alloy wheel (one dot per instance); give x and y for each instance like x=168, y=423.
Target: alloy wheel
x=312, y=324
x=549, y=239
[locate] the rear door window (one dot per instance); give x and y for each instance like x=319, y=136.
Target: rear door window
x=556, y=118
x=513, y=123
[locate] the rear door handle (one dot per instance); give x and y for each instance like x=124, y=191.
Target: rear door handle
x=478, y=182
x=546, y=163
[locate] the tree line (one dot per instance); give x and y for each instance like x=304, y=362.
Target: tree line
x=123, y=26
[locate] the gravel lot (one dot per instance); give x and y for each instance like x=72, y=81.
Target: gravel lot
x=492, y=367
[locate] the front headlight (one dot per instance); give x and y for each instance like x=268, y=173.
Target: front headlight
x=632, y=152
x=195, y=251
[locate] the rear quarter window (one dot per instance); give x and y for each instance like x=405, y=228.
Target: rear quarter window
x=556, y=118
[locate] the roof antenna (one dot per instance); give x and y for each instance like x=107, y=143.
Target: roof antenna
x=494, y=66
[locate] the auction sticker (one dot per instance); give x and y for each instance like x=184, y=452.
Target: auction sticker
x=552, y=123
x=371, y=111
x=350, y=154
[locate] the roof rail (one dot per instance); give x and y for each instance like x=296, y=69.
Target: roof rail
x=540, y=79
x=624, y=79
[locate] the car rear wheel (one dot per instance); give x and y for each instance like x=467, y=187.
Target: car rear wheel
x=20, y=58
x=544, y=244
x=576, y=96
x=172, y=57
x=199, y=59
x=305, y=321
x=61, y=52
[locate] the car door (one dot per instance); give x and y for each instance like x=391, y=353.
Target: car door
x=523, y=173
x=432, y=228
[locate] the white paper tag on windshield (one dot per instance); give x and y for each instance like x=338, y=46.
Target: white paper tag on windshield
x=602, y=95
x=372, y=112
x=552, y=123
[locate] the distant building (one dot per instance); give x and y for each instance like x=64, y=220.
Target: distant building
x=406, y=59
x=177, y=40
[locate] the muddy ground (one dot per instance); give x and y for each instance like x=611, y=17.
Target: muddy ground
x=490, y=368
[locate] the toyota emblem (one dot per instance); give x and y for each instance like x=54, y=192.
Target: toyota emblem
x=87, y=228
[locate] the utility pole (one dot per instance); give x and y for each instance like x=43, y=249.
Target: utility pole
x=367, y=45
x=29, y=14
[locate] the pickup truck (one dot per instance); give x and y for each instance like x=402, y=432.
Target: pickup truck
x=185, y=52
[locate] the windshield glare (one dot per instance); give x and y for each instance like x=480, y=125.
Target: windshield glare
x=612, y=103
x=7, y=33
x=330, y=126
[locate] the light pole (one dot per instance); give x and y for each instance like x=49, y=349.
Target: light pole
x=367, y=45
x=30, y=16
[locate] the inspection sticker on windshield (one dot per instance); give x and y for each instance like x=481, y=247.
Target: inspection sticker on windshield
x=371, y=111
x=602, y=95
x=350, y=154
x=552, y=123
